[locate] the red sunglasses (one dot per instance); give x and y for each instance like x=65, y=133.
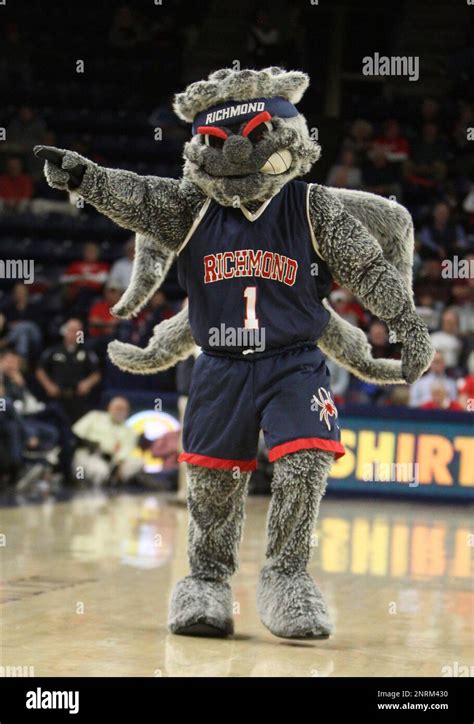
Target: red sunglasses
x=248, y=128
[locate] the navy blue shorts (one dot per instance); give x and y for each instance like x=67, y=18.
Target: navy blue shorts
x=286, y=394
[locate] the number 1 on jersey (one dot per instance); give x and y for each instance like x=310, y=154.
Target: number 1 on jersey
x=251, y=320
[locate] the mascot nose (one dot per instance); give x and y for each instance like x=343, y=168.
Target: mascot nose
x=237, y=150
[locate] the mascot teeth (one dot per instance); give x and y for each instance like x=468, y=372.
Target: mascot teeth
x=279, y=162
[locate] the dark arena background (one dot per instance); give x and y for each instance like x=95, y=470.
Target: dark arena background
x=92, y=498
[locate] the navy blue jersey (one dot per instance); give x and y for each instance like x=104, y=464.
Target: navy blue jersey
x=252, y=282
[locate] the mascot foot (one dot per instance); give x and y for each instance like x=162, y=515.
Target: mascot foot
x=292, y=606
x=201, y=608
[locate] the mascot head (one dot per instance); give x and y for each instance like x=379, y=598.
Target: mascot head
x=248, y=140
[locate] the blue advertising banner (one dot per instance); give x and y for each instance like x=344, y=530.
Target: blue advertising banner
x=404, y=451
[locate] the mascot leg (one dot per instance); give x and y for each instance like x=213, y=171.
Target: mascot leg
x=289, y=602
x=201, y=604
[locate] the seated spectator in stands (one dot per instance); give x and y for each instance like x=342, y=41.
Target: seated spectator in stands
x=466, y=390
x=359, y=139
x=463, y=293
x=13, y=441
x=345, y=174
x=25, y=130
x=105, y=445
x=440, y=399
x=396, y=146
x=447, y=340
x=16, y=186
x=431, y=282
x=101, y=321
x=340, y=379
x=420, y=392
x=84, y=279
x=127, y=31
x=379, y=340
x=442, y=238
x=264, y=41
x=121, y=271
x=15, y=64
x=429, y=158
x=379, y=176
x=348, y=308
x=429, y=310
x=155, y=312
x=69, y=372
x=19, y=323
x=45, y=422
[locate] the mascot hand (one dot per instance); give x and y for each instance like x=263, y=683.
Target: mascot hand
x=63, y=169
x=417, y=348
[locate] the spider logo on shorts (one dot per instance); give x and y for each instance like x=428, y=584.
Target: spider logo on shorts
x=325, y=402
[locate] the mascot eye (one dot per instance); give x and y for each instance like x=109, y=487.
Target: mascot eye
x=213, y=141
x=262, y=130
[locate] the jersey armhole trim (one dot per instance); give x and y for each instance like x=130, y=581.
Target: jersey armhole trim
x=195, y=224
x=311, y=230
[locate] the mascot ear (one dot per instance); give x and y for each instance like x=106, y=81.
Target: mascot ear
x=291, y=84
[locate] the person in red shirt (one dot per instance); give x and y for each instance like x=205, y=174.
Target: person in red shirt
x=466, y=393
x=16, y=186
x=101, y=321
x=440, y=400
x=88, y=273
x=396, y=147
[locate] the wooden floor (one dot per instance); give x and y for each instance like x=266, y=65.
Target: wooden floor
x=87, y=583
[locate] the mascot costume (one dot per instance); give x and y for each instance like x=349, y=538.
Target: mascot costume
x=256, y=249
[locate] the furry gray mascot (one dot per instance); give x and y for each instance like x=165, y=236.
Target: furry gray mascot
x=248, y=237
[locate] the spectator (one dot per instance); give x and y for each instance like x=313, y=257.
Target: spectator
x=25, y=130
x=101, y=321
x=45, y=422
x=359, y=139
x=340, y=379
x=69, y=372
x=440, y=399
x=19, y=325
x=157, y=310
x=264, y=43
x=396, y=147
x=420, y=392
x=442, y=238
x=466, y=392
x=121, y=271
x=84, y=279
x=126, y=32
x=347, y=307
x=379, y=340
x=106, y=444
x=379, y=176
x=447, y=340
x=16, y=186
x=345, y=174
x=428, y=165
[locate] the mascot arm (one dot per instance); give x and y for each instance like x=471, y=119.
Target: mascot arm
x=171, y=342
x=148, y=205
x=150, y=267
x=356, y=261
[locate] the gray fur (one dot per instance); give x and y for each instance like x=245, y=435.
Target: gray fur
x=200, y=607
x=216, y=508
x=290, y=604
x=239, y=85
x=361, y=267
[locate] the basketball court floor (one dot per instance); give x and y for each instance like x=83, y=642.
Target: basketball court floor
x=86, y=585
